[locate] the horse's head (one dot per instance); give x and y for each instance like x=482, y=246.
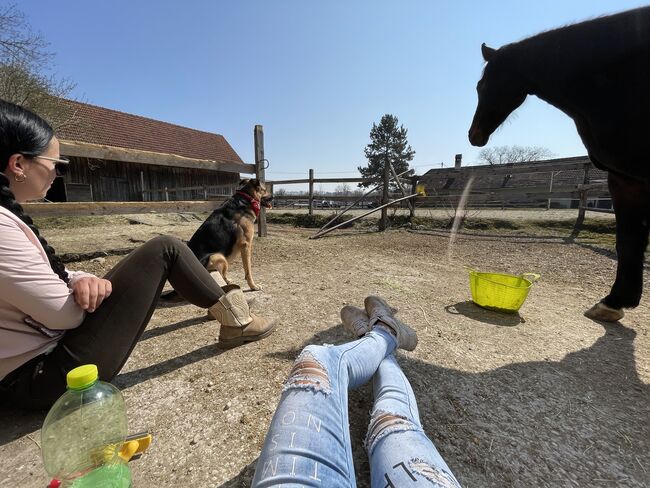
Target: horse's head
x=500, y=91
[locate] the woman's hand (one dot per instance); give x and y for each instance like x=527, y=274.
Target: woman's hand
x=89, y=292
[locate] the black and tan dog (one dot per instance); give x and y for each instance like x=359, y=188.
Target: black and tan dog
x=229, y=231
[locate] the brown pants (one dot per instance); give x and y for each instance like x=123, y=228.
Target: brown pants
x=107, y=336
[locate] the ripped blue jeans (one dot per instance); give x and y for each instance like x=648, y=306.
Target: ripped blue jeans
x=308, y=442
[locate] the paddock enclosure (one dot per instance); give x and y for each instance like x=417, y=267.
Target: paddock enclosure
x=543, y=398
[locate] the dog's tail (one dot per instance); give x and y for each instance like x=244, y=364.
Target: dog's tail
x=217, y=262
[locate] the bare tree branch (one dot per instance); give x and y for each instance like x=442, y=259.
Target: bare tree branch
x=24, y=64
x=513, y=154
x=18, y=43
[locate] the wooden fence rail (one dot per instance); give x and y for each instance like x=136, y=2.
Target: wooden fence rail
x=480, y=197
x=207, y=191
x=117, y=208
x=542, y=191
x=311, y=196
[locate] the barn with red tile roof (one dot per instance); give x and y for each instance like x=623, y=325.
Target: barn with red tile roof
x=116, y=156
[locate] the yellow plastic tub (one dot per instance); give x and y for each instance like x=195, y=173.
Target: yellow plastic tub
x=499, y=291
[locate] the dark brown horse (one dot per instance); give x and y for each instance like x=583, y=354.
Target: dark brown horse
x=598, y=73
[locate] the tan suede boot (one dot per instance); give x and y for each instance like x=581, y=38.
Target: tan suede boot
x=238, y=324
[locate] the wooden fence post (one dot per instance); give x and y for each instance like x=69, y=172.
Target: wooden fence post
x=414, y=184
x=311, y=192
x=258, y=136
x=550, y=191
x=582, y=205
x=383, y=222
x=401, y=187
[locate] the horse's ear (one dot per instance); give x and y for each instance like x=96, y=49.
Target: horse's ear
x=487, y=52
x=244, y=182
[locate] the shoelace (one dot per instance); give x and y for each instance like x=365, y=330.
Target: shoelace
x=360, y=326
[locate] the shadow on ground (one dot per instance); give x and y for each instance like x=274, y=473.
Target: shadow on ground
x=582, y=421
x=17, y=423
x=471, y=310
x=243, y=479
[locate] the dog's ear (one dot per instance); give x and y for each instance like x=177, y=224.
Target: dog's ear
x=257, y=185
x=243, y=183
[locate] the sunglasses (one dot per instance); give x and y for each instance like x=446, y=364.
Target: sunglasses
x=60, y=164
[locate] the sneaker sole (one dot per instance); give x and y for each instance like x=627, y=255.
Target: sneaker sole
x=240, y=341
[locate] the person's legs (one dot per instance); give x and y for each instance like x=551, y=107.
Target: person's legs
x=107, y=336
x=308, y=442
x=401, y=455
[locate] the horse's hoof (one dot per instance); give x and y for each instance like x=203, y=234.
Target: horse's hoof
x=600, y=311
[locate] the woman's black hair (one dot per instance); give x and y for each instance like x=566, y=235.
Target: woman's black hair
x=24, y=132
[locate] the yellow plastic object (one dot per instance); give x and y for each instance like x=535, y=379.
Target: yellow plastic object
x=82, y=377
x=500, y=292
x=133, y=446
x=419, y=189
x=128, y=450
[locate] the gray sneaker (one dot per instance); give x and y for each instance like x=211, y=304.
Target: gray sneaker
x=379, y=311
x=377, y=307
x=355, y=320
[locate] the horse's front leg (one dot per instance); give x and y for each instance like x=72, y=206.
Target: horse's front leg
x=632, y=208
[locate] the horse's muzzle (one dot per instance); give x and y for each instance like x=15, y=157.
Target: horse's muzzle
x=477, y=137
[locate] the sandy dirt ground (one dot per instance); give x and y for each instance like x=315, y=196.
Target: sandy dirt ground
x=543, y=398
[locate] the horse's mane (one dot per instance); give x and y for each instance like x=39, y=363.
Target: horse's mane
x=589, y=43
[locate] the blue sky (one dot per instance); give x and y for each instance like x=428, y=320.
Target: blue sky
x=315, y=75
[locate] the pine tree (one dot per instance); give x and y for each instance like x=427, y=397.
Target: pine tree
x=388, y=143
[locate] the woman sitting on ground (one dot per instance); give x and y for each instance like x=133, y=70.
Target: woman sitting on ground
x=308, y=442
x=52, y=319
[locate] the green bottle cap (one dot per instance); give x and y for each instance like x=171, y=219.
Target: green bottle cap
x=82, y=377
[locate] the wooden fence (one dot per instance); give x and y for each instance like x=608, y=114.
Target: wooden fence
x=537, y=182
x=440, y=192
x=213, y=196
x=534, y=184
x=203, y=192
x=312, y=201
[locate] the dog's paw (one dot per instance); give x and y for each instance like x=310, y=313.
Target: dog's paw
x=254, y=287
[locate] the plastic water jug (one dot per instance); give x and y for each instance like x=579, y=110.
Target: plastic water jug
x=83, y=433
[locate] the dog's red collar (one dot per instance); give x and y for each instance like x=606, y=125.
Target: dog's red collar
x=254, y=203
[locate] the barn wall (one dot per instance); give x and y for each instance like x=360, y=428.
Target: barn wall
x=118, y=181
x=491, y=183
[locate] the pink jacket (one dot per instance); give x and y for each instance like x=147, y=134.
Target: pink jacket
x=31, y=296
